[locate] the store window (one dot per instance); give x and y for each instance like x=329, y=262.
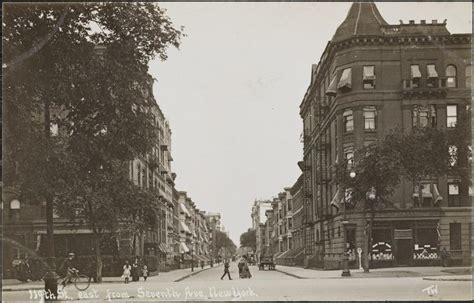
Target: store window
x=467, y=75
x=451, y=115
x=369, y=77
x=451, y=77
x=453, y=195
x=370, y=114
x=382, y=244
x=348, y=120
x=426, y=242
x=455, y=236
x=415, y=76
x=432, y=76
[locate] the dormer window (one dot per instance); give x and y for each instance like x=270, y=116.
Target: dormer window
x=415, y=76
x=369, y=77
x=345, y=83
x=432, y=79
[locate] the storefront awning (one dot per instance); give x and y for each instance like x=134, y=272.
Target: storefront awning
x=432, y=73
x=369, y=72
x=184, y=210
x=184, y=227
x=162, y=247
x=336, y=200
x=183, y=248
x=332, y=89
x=346, y=79
x=415, y=71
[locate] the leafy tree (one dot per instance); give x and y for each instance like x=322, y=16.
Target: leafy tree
x=419, y=154
x=459, y=140
x=424, y=154
x=100, y=98
x=249, y=239
x=224, y=242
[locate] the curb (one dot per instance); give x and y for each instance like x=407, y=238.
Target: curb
x=39, y=287
x=192, y=274
x=289, y=274
x=447, y=279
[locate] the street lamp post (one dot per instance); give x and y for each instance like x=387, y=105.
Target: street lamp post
x=370, y=197
x=345, y=258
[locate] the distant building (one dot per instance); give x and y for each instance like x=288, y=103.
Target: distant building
x=258, y=215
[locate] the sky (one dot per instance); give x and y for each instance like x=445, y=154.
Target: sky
x=233, y=89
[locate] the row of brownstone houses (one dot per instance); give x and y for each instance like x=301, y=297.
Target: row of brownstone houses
x=184, y=233
x=374, y=77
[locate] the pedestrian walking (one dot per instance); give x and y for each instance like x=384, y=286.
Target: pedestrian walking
x=226, y=270
x=127, y=270
x=145, y=272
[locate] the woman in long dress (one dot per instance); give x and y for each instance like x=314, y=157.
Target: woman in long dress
x=246, y=272
x=241, y=265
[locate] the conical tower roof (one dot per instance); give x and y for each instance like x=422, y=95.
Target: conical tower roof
x=363, y=19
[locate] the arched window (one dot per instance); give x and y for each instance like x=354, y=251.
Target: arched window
x=451, y=80
x=468, y=75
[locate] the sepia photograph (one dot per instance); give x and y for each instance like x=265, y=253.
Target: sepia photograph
x=236, y=151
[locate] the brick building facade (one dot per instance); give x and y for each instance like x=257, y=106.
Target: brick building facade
x=372, y=78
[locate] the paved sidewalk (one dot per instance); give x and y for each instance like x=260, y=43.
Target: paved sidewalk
x=170, y=276
x=446, y=272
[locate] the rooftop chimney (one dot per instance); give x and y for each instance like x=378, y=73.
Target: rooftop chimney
x=423, y=21
x=412, y=21
x=434, y=21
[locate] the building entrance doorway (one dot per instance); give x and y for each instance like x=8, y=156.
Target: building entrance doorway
x=403, y=246
x=404, y=252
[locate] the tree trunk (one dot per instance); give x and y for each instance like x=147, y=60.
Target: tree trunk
x=365, y=252
x=98, y=256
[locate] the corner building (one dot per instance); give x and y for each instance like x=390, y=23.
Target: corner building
x=372, y=78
